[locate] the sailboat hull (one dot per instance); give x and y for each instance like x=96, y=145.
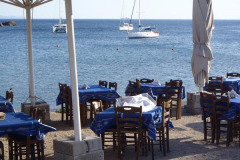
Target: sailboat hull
x=60, y=28
x=125, y=28
x=135, y=35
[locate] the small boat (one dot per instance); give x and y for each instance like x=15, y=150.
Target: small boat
x=61, y=27
x=126, y=27
x=143, y=32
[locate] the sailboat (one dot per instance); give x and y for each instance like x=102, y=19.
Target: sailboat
x=143, y=32
x=61, y=27
x=125, y=26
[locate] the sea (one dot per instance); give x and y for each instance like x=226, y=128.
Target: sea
x=105, y=53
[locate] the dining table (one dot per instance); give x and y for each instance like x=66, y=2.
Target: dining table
x=152, y=89
x=92, y=92
x=229, y=84
x=150, y=119
x=5, y=105
x=233, y=110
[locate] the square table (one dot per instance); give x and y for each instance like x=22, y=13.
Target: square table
x=106, y=119
x=5, y=105
x=94, y=92
x=152, y=89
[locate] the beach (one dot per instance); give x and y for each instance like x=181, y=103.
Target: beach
x=186, y=141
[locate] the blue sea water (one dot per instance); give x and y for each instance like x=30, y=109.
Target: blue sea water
x=167, y=57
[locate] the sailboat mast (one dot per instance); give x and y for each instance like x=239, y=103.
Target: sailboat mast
x=60, y=19
x=139, y=22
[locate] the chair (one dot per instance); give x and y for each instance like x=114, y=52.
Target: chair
x=134, y=88
x=37, y=113
x=233, y=74
x=145, y=80
x=173, y=90
x=110, y=134
x=9, y=95
x=215, y=85
x=208, y=110
x=62, y=88
x=103, y=83
x=24, y=147
x=130, y=125
x=113, y=85
x=223, y=125
x=163, y=127
x=1, y=151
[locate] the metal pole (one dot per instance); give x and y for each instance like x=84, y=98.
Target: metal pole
x=30, y=56
x=73, y=70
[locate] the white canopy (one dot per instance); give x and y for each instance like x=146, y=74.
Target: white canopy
x=202, y=26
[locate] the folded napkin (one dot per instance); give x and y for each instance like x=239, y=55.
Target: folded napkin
x=156, y=83
x=85, y=86
x=232, y=94
x=144, y=100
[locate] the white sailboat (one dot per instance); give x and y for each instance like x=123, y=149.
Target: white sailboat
x=143, y=32
x=123, y=25
x=61, y=27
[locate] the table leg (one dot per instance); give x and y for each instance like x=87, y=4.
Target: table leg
x=28, y=148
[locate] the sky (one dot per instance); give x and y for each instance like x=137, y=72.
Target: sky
x=112, y=9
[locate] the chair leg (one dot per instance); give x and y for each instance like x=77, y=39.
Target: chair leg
x=167, y=136
x=164, y=141
x=62, y=111
x=152, y=149
x=205, y=128
x=212, y=129
x=218, y=133
x=102, y=137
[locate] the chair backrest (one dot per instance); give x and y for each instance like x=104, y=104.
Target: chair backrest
x=208, y=100
x=97, y=107
x=145, y=80
x=233, y=74
x=173, y=89
x=215, y=85
x=9, y=95
x=128, y=117
x=37, y=113
x=1, y=151
x=103, y=83
x=113, y=85
x=134, y=87
x=221, y=106
x=166, y=112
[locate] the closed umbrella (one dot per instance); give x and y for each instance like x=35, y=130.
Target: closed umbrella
x=202, y=27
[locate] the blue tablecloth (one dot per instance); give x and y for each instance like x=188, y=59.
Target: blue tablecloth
x=153, y=89
x=5, y=105
x=233, y=110
x=94, y=92
x=106, y=119
x=22, y=124
x=229, y=84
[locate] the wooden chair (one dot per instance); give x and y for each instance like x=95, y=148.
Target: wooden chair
x=63, y=97
x=1, y=151
x=24, y=147
x=215, y=86
x=145, y=80
x=134, y=88
x=208, y=113
x=9, y=95
x=103, y=83
x=128, y=125
x=233, y=74
x=163, y=128
x=173, y=90
x=38, y=114
x=223, y=125
x=68, y=105
x=113, y=85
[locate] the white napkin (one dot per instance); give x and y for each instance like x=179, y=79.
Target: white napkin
x=144, y=100
x=232, y=94
x=85, y=86
x=156, y=83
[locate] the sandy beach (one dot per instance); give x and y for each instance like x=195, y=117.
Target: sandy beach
x=186, y=141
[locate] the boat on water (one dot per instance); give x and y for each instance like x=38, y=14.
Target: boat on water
x=61, y=27
x=143, y=32
x=126, y=27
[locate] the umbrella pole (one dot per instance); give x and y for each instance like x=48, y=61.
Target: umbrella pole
x=73, y=70
x=200, y=89
x=30, y=56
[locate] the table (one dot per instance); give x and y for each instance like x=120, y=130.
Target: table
x=152, y=89
x=233, y=110
x=229, y=84
x=106, y=119
x=5, y=105
x=94, y=92
x=22, y=124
